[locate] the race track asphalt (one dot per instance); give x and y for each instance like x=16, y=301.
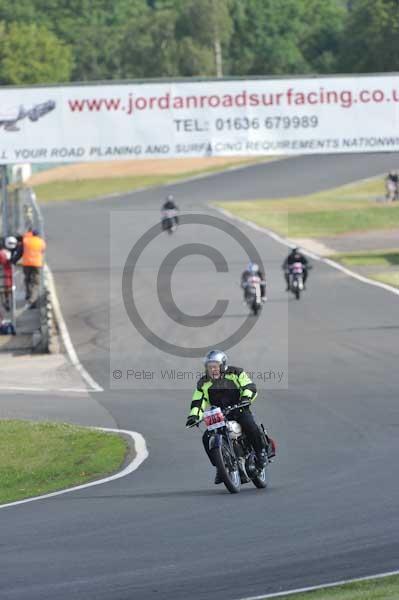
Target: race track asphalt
x=166, y=531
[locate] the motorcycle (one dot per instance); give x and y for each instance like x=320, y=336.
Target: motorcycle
x=296, y=279
x=231, y=452
x=169, y=220
x=392, y=192
x=253, y=294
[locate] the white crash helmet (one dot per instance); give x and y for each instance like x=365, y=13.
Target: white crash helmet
x=11, y=242
x=253, y=267
x=216, y=356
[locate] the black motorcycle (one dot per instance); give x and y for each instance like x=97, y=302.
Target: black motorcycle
x=296, y=279
x=231, y=452
x=169, y=220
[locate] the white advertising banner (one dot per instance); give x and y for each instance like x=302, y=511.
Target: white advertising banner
x=199, y=118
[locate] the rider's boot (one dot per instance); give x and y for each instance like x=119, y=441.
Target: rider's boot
x=271, y=449
x=261, y=459
x=218, y=478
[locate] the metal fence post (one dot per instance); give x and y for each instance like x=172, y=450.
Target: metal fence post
x=13, y=301
x=4, y=204
x=5, y=210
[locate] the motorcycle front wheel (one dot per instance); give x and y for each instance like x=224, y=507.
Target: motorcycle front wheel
x=227, y=469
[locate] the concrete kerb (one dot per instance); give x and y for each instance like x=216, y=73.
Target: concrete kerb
x=49, y=330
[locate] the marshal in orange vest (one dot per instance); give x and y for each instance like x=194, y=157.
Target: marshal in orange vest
x=33, y=254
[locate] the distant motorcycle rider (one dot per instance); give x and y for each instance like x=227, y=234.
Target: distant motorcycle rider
x=169, y=204
x=392, y=186
x=250, y=271
x=295, y=256
x=224, y=386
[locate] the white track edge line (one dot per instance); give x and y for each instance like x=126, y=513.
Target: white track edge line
x=42, y=390
x=140, y=447
x=321, y=587
x=66, y=338
x=290, y=244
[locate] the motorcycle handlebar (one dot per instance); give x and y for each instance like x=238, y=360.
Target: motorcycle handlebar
x=230, y=409
x=225, y=411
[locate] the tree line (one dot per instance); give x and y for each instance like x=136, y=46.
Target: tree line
x=55, y=41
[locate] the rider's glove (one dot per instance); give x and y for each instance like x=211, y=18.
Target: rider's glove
x=191, y=420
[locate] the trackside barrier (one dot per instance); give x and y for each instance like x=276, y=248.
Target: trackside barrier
x=20, y=211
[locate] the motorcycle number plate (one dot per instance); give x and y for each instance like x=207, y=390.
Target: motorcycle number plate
x=214, y=419
x=297, y=268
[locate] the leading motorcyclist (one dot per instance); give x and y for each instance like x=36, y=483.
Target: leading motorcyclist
x=295, y=256
x=224, y=386
x=251, y=270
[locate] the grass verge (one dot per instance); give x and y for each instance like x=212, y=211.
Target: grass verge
x=389, y=278
x=85, y=189
x=37, y=458
x=375, y=258
x=337, y=211
x=386, y=588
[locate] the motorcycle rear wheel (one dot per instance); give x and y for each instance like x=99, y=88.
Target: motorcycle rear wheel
x=261, y=481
